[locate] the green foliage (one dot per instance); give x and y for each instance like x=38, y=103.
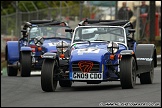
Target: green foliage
x=29, y=6
x=3, y=64
x=22, y=8
x=68, y=8
x=8, y=7
x=41, y=5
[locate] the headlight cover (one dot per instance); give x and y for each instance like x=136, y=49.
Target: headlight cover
x=38, y=41
x=112, y=47
x=62, y=46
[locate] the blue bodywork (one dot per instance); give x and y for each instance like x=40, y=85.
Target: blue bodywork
x=100, y=50
x=15, y=47
x=13, y=51
x=26, y=44
x=98, y=53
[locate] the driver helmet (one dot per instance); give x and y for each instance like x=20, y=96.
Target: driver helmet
x=88, y=33
x=64, y=24
x=34, y=32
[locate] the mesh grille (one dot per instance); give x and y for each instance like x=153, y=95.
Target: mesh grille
x=76, y=68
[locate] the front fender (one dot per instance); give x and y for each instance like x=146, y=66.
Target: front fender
x=145, y=53
x=12, y=51
x=129, y=53
x=126, y=52
x=25, y=48
x=49, y=55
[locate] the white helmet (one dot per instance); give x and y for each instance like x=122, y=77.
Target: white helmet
x=89, y=34
x=89, y=30
x=66, y=23
x=33, y=30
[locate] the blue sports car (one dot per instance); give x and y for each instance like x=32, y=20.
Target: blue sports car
x=101, y=50
x=39, y=37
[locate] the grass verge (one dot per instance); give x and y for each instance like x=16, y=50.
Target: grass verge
x=158, y=50
x=3, y=64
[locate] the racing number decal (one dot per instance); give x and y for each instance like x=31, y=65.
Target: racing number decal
x=52, y=44
x=88, y=50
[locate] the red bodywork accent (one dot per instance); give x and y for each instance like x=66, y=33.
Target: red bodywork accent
x=33, y=47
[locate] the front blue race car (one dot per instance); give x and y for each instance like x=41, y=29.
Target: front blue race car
x=101, y=50
x=94, y=57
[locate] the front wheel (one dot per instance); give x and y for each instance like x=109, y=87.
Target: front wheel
x=25, y=64
x=127, y=72
x=48, y=74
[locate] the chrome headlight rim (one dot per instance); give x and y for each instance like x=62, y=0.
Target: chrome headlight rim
x=38, y=41
x=112, y=47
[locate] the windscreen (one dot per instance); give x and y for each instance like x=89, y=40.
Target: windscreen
x=115, y=34
x=49, y=32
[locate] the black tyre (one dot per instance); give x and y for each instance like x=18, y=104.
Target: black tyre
x=127, y=72
x=25, y=64
x=147, y=78
x=65, y=83
x=11, y=71
x=49, y=69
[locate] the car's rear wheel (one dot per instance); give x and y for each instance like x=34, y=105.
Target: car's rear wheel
x=65, y=83
x=11, y=71
x=147, y=78
x=127, y=72
x=48, y=75
x=25, y=64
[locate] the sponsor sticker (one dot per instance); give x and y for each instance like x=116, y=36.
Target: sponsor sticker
x=88, y=50
x=145, y=59
x=86, y=76
x=45, y=56
x=52, y=44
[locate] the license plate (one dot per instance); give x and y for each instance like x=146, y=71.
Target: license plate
x=86, y=76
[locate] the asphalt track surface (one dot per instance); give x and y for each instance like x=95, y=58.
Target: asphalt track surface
x=26, y=92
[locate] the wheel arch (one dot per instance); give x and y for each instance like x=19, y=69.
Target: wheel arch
x=6, y=53
x=129, y=53
x=145, y=53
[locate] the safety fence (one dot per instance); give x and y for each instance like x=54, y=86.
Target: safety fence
x=11, y=24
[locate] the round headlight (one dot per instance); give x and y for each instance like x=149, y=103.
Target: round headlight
x=62, y=46
x=112, y=47
x=38, y=41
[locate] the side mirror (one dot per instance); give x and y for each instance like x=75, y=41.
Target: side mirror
x=131, y=30
x=69, y=30
x=24, y=33
x=28, y=24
